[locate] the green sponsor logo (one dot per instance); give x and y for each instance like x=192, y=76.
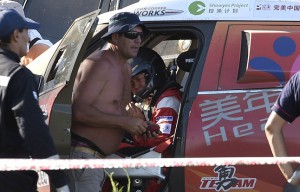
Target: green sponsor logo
x=197, y=8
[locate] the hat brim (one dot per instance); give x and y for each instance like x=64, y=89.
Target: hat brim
x=30, y=24
x=123, y=29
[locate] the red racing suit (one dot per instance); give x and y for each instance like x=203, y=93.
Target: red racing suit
x=165, y=114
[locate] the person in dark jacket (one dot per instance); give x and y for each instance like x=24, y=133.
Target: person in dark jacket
x=23, y=132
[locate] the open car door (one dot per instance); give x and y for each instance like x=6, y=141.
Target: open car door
x=57, y=69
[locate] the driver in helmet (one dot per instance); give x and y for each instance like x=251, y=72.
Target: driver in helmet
x=154, y=98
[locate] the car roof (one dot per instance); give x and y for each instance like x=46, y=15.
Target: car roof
x=235, y=10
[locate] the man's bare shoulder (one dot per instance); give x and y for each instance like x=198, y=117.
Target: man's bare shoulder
x=97, y=56
x=98, y=59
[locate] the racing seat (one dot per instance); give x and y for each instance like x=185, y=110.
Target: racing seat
x=185, y=62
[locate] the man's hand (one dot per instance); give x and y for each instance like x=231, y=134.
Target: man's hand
x=135, y=126
x=152, y=131
x=134, y=111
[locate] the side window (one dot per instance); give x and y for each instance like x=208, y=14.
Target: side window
x=169, y=49
x=174, y=45
x=259, y=56
x=59, y=67
x=69, y=50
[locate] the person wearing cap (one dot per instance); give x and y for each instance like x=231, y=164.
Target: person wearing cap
x=100, y=94
x=23, y=132
x=37, y=45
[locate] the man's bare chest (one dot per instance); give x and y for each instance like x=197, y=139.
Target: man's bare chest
x=117, y=90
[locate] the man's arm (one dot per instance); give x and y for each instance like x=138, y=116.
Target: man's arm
x=166, y=117
x=273, y=130
x=33, y=53
x=134, y=111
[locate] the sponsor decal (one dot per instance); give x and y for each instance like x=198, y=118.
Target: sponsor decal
x=190, y=60
x=226, y=180
x=156, y=11
x=160, y=119
x=278, y=7
x=282, y=46
x=165, y=128
x=218, y=7
x=217, y=113
x=282, y=9
x=197, y=8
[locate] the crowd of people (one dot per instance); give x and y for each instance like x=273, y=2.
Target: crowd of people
x=104, y=108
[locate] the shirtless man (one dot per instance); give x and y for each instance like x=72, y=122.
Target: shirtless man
x=100, y=95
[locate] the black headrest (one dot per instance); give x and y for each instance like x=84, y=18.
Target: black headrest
x=186, y=59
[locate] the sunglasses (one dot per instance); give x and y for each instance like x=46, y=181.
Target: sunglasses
x=133, y=35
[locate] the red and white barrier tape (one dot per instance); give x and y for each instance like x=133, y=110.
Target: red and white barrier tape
x=51, y=164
